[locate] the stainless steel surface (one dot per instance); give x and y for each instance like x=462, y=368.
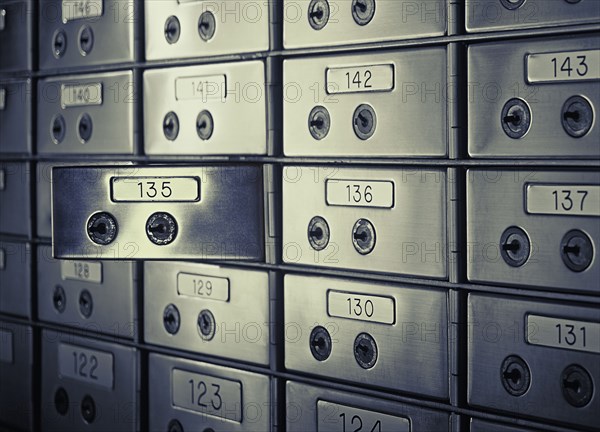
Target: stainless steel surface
x=114, y=34
x=226, y=223
x=392, y=20
x=43, y=188
x=417, y=335
x=234, y=95
x=15, y=278
x=497, y=200
x=410, y=237
x=490, y=15
x=15, y=207
x=239, y=26
x=498, y=328
x=302, y=413
x=237, y=299
x=112, y=291
x=112, y=130
x=16, y=374
x=116, y=407
x=415, y=105
x=16, y=35
x=15, y=117
x=221, y=401
x=498, y=72
x=478, y=425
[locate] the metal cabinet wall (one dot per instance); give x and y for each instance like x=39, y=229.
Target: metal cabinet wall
x=298, y=215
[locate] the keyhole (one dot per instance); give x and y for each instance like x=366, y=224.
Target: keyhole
x=361, y=236
x=361, y=6
x=515, y=119
x=574, y=385
x=363, y=120
x=319, y=342
x=170, y=318
x=363, y=348
x=317, y=13
x=318, y=123
x=573, y=115
x=513, y=246
x=317, y=233
x=160, y=228
x=101, y=228
x=574, y=250
x=514, y=375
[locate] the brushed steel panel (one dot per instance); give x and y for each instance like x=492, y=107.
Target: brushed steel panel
x=255, y=399
x=496, y=201
x=497, y=73
x=491, y=15
x=15, y=191
x=411, y=118
x=227, y=222
x=113, y=122
x=15, y=117
x=478, y=425
x=497, y=329
x=114, y=35
x=418, y=335
x=16, y=377
x=302, y=399
x=112, y=311
x=410, y=237
x=242, y=322
x=393, y=20
x=116, y=407
x=239, y=118
x=16, y=35
x=15, y=278
x=241, y=26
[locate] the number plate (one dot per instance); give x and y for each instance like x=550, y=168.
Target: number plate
x=203, y=88
x=571, y=200
x=352, y=193
x=80, y=9
x=563, y=66
x=80, y=95
x=205, y=287
x=563, y=333
x=361, y=307
x=379, y=78
x=86, y=365
x=333, y=417
x=81, y=270
x=208, y=395
x=6, y=346
x=152, y=189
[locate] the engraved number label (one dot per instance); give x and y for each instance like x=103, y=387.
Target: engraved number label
x=86, y=365
x=207, y=394
x=203, y=88
x=150, y=189
x=563, y=333
x=572, y=200
x=79, y=9
x=200, y=286
x=74, y=95
x=81, y=270
x=563, y=66
x=360, y=79
x=355, y=193
x=341, y=418
x=361, y=307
